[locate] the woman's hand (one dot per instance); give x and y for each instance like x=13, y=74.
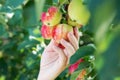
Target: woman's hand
x=54, y=59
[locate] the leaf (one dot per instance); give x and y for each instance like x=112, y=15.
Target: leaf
x=84, y=64
x=2, y=30
x=102, y=24
x=55, y=1
x=2, y=1
x=107, y=61
x=34, y=32
x=27, y=44
x=29, y=61
x=2, y=20
x=29, y=14
x=39, y=4
x=5, y=9
x=14, y=3
x=74, y=75
x=3, y=66
x=61, y=2
x=16, y=20
x=82, y=52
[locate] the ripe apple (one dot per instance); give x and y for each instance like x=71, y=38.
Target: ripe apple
x=74, y=66
x=46, y=32
x=60, y=32
x=78, y=12
x=52, y=17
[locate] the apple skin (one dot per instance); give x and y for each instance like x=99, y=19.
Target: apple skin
x=78, y=12
x=52, y=17
x=46, y=32
x=60, y=32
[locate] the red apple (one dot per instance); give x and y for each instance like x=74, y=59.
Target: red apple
x=52, y=17
x=60, y=32
x=74, y=66
x=46, y=32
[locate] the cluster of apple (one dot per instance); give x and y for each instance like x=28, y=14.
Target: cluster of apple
x=52, y=25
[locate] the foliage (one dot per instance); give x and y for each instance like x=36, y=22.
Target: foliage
x=21, y=44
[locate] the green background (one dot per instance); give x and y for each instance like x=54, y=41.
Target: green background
x=21, y=44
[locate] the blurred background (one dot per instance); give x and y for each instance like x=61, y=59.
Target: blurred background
x=21, y=44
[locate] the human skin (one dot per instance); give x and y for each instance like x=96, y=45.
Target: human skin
x=54, y=59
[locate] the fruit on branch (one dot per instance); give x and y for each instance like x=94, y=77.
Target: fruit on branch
x=78, y=12
x=60, y=31
x=72, y=23
x=46, y=32
x=52, y=17
x=74, y=66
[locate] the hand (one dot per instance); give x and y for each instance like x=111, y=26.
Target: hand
x=54, y=59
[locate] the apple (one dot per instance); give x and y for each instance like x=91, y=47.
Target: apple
x=52, y=17
x=60, y=32
x=78, y=12
x=74, y=66
x=46, y=32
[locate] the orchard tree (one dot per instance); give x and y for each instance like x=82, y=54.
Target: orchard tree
x=27, y=26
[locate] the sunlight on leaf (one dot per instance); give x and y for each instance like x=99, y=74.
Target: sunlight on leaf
x=2, y=77
x=39, y=4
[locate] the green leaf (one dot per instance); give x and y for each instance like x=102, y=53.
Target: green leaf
x=102, y=22
x=107, y=61
x=34, y=32
x=5, y=9
x=82, y=52
x=61, y=2
x=27, y=44
x=3, y=66
x=39, y=4
x=16, y=20
x=29, y=61
x=74, y=75
x=29, y=14
x=2, y=20
x=55, y=1
x=2, y=77
x=83, y=65
x=117, y=78
x=2, y=30
x=14, y=3
x=2, y=1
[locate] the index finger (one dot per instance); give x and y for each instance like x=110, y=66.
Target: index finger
x=76, y=33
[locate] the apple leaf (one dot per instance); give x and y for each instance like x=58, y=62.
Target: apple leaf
x=82, y=52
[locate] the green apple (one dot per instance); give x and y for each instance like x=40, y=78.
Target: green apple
x=78, y=12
